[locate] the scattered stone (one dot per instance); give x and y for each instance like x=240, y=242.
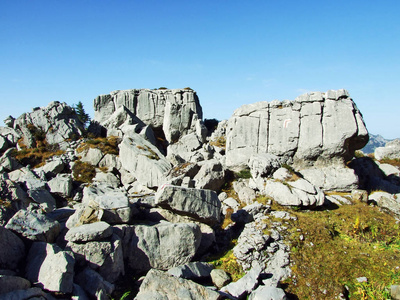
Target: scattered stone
x=160, y=246
x=89, y=232
x=93, y=283
x=220, y=278
x=268, y=293
x=34, y=226
x=12, y=249
x=160, y=285
x=50, y=267
x=193, y=270
x=202, y=205
x=13, y=283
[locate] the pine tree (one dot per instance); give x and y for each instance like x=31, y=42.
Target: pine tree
x=82, y=115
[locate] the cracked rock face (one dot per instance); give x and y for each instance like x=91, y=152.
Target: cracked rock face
x=175, y=111
x=316, y=128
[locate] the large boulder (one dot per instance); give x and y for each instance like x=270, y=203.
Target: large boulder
x=160, y=285
x=161, y=246
x=176, y=112
x=390, y=151
x=144, y=161
x=316, y=128
x=34, y=226
x=57, y=122
x=202, y=205
x=51, y=267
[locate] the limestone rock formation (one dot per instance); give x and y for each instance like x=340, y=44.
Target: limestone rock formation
x=315, y=128
x=57, y=122
x=176, y=112
x=391, y=150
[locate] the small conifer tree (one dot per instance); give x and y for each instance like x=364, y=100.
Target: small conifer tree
x=82, y=115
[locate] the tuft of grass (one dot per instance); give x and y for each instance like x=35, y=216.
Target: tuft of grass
x=229, y=264
x=392, y=161
x=338, y=246
x=36, y=157
x=219, y=142
x=108, y=145
x=245, y=174
x=149, y=152
x=83, y=172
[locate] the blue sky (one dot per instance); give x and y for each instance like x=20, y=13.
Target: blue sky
x=231, y=52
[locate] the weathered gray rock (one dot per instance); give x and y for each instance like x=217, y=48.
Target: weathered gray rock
x=268, y=293
x=220, y=278
x=8, y=163
x=386, y=200
x=91, y=155
x=94, y=284
x=160, y=246
x=391, y=150
x=278, y=266
x=250, y=246
x=57, y=121
x=12, y=136
x=34, y=226
x=113, y=202
x=13, y=249
x=186, y=147
x=89, y=232
x=61, y=184
x=51, y=267
x=32, y=293
x=337, y=178
x=202, y=205
x=53, y=167
x=14, y=197
x=245, y=284
x=3, y=144
x=193, y=270
x=173, y=111
x=207, y=233
x=107, y=178
x=263, y=164
x=104, y=256
x=315, y=128
x=211, y=176
x=13, y=283
x=159, y=285
x=144, y=161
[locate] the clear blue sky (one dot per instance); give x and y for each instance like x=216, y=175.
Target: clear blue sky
x=231, y=52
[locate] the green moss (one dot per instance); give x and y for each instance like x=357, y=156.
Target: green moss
x=245, y=174
x=230, y=265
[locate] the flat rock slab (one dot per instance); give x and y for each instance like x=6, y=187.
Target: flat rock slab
x=89, y=232
x=203, y=205
x=34, y=226
x=160, y=285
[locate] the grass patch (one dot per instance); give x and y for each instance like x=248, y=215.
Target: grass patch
x=391, y=161
x=229, y=264
x=219, y=142
x=338, y=246
x=36, y=157
x=245, y=174
x=108, y=145
x=83, y=172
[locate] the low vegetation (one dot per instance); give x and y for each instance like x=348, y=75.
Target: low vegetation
x=392, y=161
x=107, y=145
x=219, y=142
x=330, y=249
x=83, y=172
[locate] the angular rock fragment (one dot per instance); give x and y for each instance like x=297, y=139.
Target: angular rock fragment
x=202, y=205
x=160, y=246
x=159, y=285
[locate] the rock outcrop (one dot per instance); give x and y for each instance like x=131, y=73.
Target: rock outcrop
x=314, y=129
x=176, y=112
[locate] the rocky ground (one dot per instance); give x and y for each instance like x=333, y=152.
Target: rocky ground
x=149, y=201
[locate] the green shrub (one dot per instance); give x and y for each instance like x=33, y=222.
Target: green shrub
x=245, y=174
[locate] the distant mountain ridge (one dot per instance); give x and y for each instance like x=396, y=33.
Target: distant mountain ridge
x=375, y=141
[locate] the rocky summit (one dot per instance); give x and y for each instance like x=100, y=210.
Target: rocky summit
x=151, y=202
